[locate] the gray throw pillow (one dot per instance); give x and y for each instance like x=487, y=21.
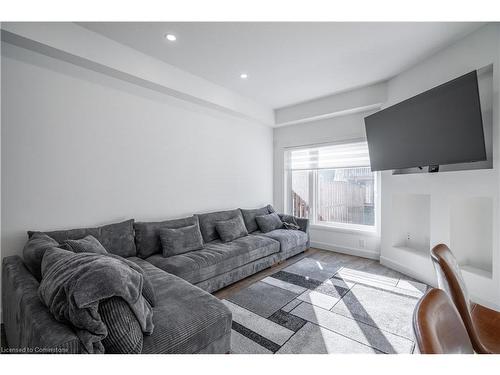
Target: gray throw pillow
x=147, y=234
x=250, y=214
x=124, y=331
x=33, y=252
x=88, y=244
x=270, y=222
x=180, y=240
x=231, y=229
x=207, y=222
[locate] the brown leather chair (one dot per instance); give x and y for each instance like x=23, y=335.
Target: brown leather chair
x=438, y=326
x=482, y=323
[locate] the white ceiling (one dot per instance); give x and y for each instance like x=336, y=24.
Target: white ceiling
x=287, y=62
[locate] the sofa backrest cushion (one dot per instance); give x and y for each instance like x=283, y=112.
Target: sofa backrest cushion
x=230, y=230
x=117, y=238
x=34, y=250
x=147, y=234
x=249, y=216
x=181, y=240
x=208, y=220
x=270, y=222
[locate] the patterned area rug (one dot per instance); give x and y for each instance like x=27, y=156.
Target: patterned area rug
x=332, y=303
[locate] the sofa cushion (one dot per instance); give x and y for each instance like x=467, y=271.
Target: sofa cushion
x=269, y=222
x=181, y=240
x=288, y=238
x=124, y=331
x=116, y=238
x=147, y=234
x=186, y=318
x=216, y=258
x=207, y=222
x=87, y=244
x=230, y=230
x=33, y=252
x=249, y=216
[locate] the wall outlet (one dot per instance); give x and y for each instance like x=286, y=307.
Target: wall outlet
x=361, y=243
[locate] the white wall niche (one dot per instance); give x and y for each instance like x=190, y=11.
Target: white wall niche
x=471, y=233
x=411, y=222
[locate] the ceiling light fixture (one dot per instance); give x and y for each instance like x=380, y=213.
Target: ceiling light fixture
x=171, y=37
x=243, y=76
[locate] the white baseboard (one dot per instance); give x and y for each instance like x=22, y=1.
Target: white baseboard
x=364, y=253
x=403, y=269
x=408, y=271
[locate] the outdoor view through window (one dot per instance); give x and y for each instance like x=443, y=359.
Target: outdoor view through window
x=332, y=184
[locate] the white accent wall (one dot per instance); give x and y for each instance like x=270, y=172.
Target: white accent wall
x=417, y=211
x=81, y=148
x=458, y=208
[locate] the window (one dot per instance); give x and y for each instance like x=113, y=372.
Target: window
x=300, y=193
x=332, y=185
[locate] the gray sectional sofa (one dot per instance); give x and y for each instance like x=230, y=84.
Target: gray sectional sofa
x=187, y=318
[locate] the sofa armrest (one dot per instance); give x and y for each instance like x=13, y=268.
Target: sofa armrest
x=302, y=222
x=29, y=325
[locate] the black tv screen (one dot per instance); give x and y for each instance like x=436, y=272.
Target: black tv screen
x=440, y=126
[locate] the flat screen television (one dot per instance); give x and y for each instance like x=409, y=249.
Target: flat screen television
x=440, y=126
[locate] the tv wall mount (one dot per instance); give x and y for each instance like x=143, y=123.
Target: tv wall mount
x=432, y=168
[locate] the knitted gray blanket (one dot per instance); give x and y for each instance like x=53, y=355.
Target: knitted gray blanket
x=73, y=285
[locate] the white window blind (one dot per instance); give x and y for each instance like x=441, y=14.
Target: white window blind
x=345, y=155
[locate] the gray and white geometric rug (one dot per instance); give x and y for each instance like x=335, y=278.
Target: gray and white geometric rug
x=326, y=303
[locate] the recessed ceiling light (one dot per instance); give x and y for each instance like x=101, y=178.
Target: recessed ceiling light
x=243, y=76
x=171, y=37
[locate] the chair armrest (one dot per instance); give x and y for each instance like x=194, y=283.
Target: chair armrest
x=29, y=325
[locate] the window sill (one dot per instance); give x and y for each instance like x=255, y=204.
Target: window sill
x=372, y=232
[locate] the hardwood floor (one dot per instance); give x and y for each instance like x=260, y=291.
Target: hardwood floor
x=239, y=285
